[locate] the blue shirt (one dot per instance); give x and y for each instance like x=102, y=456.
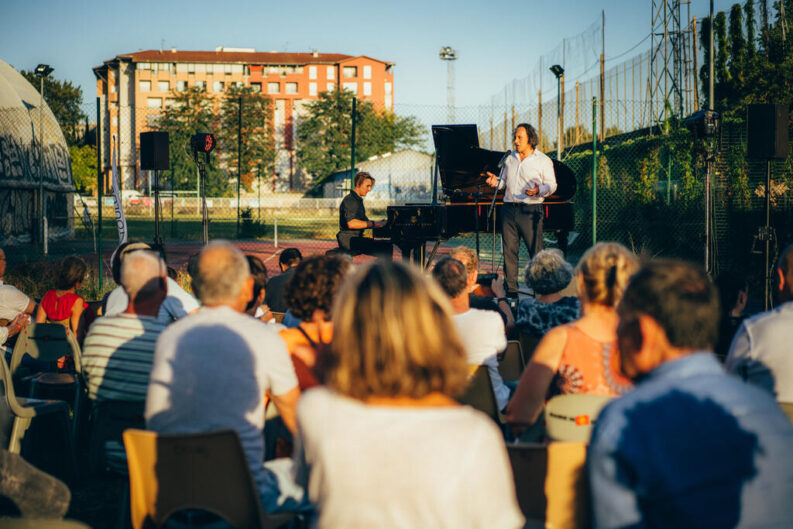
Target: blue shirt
x=692, y=446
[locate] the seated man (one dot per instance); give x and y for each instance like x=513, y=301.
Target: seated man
x=274, y=291
x=178, y=304
x=15, y=307
x=481, y=331
x=470, y=260
x=691, y=446
x=213, y=369
x=118, y=350
x=353, y=220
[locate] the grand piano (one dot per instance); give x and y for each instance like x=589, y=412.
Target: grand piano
x=461, y=165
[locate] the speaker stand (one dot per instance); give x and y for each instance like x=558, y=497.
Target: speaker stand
x=157, y=238
x=767, y=234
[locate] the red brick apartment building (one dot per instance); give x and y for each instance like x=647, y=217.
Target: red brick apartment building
x=134, y=87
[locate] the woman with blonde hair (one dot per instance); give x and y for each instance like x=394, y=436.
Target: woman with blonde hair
x=581, y=356
x=384, y=444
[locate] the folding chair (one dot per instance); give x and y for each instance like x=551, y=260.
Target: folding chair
x=511, y=364
x=570, y=417
x=109, y=419
x=528, y=343
x=479, y=395
x=47, y=342
x=550, y=483
x=206, y=471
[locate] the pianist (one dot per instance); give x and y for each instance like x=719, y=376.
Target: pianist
x=528, y=177
x=353, y=221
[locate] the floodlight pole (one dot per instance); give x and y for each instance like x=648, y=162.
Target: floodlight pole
x=42, y=71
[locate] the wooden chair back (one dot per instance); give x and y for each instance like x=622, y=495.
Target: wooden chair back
x=479, y=394
x=511, y=364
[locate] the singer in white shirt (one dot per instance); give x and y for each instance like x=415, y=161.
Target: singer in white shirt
x=528, y=177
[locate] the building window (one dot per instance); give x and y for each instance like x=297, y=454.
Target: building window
x=257, y=88
x=273, y=88
x=367, y=88
x=201, y=68
x=114, y=121
x=350, y=71
x=144, y=86
x=352, y=87
x=388, y=88
x=152, y=120
x=112, y=87
x=181, y=67
x=201, y=85
x=331, y=72
x=312, y=72
x=236, y=68
x=367, y=72
x=181, y=86
x=154, y=103
x=291, y=88
x=144, y=66
x=218, y=87
x=331, y=87
x=238, y=84
x=191, y=68
x=227, y=69
x=312, y=89
x=388, y=102
x=165, y=66
x=169, y=102
x=163, y=86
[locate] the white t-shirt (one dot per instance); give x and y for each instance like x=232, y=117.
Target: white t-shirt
x=402, y=467
x=483, y=335
x=177, y=305
x=211, y=371
x=12, y=302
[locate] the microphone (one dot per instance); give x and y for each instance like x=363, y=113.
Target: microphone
x=504, y=159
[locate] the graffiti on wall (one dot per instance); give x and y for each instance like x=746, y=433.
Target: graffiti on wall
x=19, y=165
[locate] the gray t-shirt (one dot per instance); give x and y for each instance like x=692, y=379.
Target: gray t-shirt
x=211, y=371
x=402, y=467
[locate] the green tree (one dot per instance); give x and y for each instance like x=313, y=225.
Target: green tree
x=83, y=160
x=64, y=99
x=720, y=61
x=190, y=112
x=255, y=134
x=737, y=61
x=704, y=71
x=751, y=34
x=324, y=134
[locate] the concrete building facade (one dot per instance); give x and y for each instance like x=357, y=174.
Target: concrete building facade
x=133, y=89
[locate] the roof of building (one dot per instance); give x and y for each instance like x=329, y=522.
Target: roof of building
x=245, y=57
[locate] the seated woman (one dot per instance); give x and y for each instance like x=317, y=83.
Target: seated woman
x=384, y=444
x=62, y=304
x=548, y=275
x=309, y=294
x=582, y=356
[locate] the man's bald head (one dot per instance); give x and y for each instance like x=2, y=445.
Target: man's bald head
x=221, y=274
x=785, y=273
x=142, y=275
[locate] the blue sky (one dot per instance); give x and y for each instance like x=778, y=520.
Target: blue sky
x=496, y=41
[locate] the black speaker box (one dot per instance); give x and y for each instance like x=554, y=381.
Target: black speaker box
x=767, y=131
x=154, y=151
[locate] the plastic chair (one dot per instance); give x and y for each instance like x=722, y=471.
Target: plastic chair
x=40, y=523
x=47, y=342
x=528, y=343
x=511, y=364
x=206, y=471
x=550, y=483
x=479, y=395
x=570, y=417
x=787, y=409
x=109, y=419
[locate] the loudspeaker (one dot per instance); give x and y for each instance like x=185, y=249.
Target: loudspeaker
x=154, y=151
x=767, y=131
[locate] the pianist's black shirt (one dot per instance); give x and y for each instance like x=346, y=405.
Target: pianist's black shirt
x=351, y=208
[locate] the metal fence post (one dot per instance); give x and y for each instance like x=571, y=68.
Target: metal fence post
x=594, y=171
x=239, y=160
x=99, y=190
x=352, y=141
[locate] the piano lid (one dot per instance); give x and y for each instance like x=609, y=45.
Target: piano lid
x=461, y=161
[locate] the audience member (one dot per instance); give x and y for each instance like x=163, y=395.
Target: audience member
x=384, y=444
x=287, y=262
x=62, y=304
x=548, y=275
x=481, y=331
x=760, y=352
x=309, y=295
x=691, y=446
x=12, y=301
x=178, y=304
x=500, y=304
x=733, y=295
x=580, y=357
x=213, y=369
x=118, y=350
x=256, y=306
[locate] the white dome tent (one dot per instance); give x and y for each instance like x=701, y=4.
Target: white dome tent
x=19, y=168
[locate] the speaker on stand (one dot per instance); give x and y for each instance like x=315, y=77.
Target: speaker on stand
x=767, y=139
x=154, y=156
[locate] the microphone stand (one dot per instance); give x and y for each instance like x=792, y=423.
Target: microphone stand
x=205, y=214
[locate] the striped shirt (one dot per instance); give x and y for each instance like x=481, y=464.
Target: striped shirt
x=117, y=356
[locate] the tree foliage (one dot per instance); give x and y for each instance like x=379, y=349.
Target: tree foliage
x=190, y=112
x=324, y=133
x=65, y=100
x=253, y=136
x=84, y=168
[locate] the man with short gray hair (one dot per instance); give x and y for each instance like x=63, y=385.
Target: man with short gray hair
x=214, y=369
x=118, y=350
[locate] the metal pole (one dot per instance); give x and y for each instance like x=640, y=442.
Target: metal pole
x=559, y=117
x=239, y=160
x=352, y=140
x=260, y=193
x=767, y=237
x=99, y=191
x=594, y=171
x=710, y=66
x=42, y=208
